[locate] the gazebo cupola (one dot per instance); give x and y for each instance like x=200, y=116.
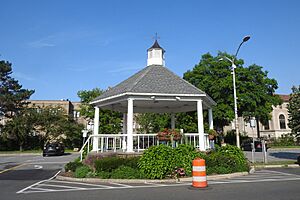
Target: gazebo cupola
x=156, y=55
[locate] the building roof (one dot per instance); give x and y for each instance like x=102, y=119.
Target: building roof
x=284, y=97
x=156, y=46
x=152, y=79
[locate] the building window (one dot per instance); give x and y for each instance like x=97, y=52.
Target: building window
x=282, y=122
x=266, y=125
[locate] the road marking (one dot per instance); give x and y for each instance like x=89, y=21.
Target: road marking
x=37, y=183
x=119, y=184
x=38, y=166
x=12, y=168
x=62, y=186
x=43, y=189
x=87, y=184
x=252, y=181
x=283, y=173
x=268, y=176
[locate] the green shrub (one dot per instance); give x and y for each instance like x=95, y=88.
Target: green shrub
x=157, y=162
x=184, y=156
x=108, y=164
x=218, y=170
x=285, y=140
x=81, y=172
x=125, y=172
x=72, y=166
x=104, y=175
x=227, y=159
x=131, y=162
x=234, y=151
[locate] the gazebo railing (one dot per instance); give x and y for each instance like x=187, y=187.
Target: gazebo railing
x=117, y=142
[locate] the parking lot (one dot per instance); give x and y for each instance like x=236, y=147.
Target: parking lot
x=53, y=185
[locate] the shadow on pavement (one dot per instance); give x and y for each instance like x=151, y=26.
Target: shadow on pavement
x=285, y=155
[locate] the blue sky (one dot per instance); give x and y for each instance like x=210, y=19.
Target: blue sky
x=59, y=47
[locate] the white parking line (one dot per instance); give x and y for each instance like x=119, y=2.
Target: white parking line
x=157, y=184
x=43, y=189
x=62, y=186
x=267, y=176
x=119, y=184
x=283, y=173
x=87, y=184
x=37, y=183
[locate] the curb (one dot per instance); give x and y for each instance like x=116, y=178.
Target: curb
x=278, y=166
x=189, y=179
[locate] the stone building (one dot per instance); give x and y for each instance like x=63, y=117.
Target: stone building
x=70, y=108
x=275, y=128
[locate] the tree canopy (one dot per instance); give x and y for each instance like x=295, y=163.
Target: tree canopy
x=48, y=124
x=110, y=121
x=255, y=91
x=12, y=95
x=294, y=111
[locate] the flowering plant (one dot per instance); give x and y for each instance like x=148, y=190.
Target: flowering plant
x=167, y=135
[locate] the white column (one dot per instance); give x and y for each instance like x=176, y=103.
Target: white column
x=210, y=119
x=96, y=130
x=124, y=131
x=172, y=121
x=200, y=125
x=130, y=125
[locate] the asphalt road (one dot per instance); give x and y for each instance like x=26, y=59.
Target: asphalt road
x=19, y=171
x=275, y=155
x=29, y=178
x=275, y=184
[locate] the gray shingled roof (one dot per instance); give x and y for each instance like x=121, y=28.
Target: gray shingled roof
x=152, y=79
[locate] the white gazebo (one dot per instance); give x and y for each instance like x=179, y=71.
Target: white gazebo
x=153, y=89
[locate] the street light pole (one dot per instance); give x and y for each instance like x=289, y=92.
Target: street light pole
x=235, y=106
x=233, y=66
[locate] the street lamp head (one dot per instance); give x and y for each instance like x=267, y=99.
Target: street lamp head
x=246, y=38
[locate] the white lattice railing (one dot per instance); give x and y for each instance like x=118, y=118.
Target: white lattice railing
x=117, y=142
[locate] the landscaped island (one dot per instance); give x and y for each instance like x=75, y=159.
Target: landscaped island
x=158, y=162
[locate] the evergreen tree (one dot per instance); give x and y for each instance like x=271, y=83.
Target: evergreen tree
x=12, y=96
x=294, y=111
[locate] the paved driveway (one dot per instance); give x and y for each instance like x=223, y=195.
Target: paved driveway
x=276, y=155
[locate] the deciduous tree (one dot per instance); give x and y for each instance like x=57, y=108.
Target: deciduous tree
x=110, y=121
x=255, y=90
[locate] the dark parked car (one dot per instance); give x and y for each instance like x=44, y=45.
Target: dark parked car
x=53, y=149
x=247, y=145
x=298, y=160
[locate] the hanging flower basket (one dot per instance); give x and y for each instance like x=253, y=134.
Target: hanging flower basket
x=211, y=137
x=168, y=135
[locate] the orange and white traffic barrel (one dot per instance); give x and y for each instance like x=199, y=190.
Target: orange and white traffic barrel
x=199, y=173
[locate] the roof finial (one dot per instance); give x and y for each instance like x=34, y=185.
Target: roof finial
x=156, y=37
